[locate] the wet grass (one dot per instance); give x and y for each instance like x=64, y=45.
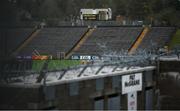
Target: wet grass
x=54, y=64
x=62, y=64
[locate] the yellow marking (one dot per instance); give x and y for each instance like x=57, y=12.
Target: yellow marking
x=32, y=36
x=138, y=41
x=80, y=43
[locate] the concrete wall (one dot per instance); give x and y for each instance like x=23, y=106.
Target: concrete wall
x=19, y=98
x=167, y=66
x=169, y=85
x=58, y=96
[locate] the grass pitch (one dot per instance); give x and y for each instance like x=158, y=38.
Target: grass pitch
x=54, y=64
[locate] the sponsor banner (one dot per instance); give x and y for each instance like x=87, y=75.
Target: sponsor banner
x=84, y=57
x=131, y=83
x=95, y=58
x=39, y=57
x=132, y=101
x=24, y=57
x=75, y=57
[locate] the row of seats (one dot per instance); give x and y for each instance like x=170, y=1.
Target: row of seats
x=110, y=39
x=103, y=40
x=13, y=37
x=54, y=40
x=156, y=38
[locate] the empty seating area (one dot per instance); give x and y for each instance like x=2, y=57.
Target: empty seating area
x=51, y=41
x=110, y=39
x=157, y=37
x=103, y=40
x=11, y=38
x=16, y=37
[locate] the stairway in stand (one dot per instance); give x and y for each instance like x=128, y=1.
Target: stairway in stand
x=138, y=41
x=80, y=42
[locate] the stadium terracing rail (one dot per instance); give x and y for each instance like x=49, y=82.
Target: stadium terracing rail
x=80, y=42
x=30, y=38
x=138, y=41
